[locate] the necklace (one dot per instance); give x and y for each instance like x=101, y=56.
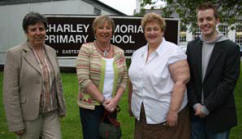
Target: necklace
x=104, y=51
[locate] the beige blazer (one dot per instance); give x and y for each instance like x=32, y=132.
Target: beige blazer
x=22, y=85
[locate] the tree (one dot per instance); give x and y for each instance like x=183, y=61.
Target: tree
x=230, y=11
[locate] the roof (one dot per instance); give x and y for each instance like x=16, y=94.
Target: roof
x=105, y=5
x=13, y=2
x=92, y=2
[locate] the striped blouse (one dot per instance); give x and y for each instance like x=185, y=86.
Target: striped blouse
x=90, y=67
x=48, y=100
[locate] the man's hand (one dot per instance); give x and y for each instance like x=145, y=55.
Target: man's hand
x=198, y=111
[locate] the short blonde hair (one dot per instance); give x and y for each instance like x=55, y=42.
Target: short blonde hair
x=100, y=20
x=153, y=17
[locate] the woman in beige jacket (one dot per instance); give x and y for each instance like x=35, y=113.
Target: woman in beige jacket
x=32, y=90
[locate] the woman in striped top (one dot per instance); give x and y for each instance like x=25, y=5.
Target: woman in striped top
x=102, y=76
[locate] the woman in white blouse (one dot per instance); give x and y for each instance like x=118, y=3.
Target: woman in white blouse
x=158, y=76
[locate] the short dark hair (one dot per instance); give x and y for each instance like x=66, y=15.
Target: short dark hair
x=32, y=18
x=208, y=5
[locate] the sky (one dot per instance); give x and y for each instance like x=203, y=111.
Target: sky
x=125, y=6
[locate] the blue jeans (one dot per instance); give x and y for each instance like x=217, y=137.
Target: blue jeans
x=90, y=120
x=199, y=130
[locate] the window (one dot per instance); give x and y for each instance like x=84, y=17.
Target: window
x=97, y=11
x=238, y=35
x=222, y=28
x=183, y=36
x=197, y=33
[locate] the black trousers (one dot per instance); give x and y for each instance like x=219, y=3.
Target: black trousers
x=90, y=120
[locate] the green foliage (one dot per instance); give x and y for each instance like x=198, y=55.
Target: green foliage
x=141, y=13
x=230, y=11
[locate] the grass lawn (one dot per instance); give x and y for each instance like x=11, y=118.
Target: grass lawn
x=71, y=128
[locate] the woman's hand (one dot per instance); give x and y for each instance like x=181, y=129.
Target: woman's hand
x=110, y=104
x=130, y=112
x=19, y=133
x=130, y=87
x=172, y=118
